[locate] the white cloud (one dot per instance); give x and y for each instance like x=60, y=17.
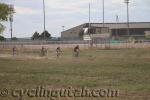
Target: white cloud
x=68, y=6
x=25, y=10
x=117, y=1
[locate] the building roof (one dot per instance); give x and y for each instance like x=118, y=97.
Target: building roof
x=123, y=25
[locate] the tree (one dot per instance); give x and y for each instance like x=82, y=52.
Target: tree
x=2, y=38
x=14, y=38
x=2, y=28
x=35, y=36
x=5, y=11
x=46, y=34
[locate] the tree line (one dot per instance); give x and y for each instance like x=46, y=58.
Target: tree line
x=44, y=35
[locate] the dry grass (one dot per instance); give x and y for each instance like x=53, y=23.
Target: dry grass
x=126, y=69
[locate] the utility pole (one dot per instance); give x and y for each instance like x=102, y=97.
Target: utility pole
x=103, y=7
x=89, y=19
x=44, y=17
x=117, y=21
x=11, y=22
x=128, y=24
x=89, y=32
x=63, y=28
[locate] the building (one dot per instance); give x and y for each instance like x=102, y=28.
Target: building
x=138, y=30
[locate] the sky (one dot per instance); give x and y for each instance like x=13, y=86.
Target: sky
x=69, y=13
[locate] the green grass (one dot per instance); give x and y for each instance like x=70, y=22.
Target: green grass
x=127, y=70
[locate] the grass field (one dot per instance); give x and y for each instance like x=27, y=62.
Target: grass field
x=126, y=69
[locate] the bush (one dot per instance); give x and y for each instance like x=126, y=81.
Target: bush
x=2, y=38
x=14, y=38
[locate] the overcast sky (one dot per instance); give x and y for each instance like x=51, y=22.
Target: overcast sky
x=69, y=13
